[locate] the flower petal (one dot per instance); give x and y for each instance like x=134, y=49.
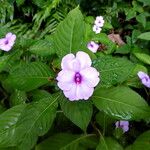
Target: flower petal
x=146, y=82
x=84, y=59
x=142, y=75
x=83, y=91
x=71, y=94
x=125, y=128
x=65, y=64
x=90, y=76
x=65, y=86
x=65, y=76
x=8, y=35
x=78, y=92
x=92, y=46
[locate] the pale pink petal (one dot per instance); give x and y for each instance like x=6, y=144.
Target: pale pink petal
x=90, y=76
x=83, y=91
x=92, y=46
x=75, y=65
x=5, y=47
x=99, y=18
x=79, y=92
x=69, y=62
x=97, y=29
x=65, y=64
x=2, y=41
x=8, y=35
x=13, y=38
x=65, y=86
x=84, y=59
x=99, y=21
x=142, y=75
x=71, y=94
x=65, y=76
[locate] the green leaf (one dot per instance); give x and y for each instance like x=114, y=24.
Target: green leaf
x=124, y=49
x=8, y=125
x=18, y=97
x=146, y=2
x=105, y=122
x=3, y=62
x=79, y=113
x=113, y=70
x=29, y=76
x=121, y=102
x=35, y=121
x=143, y=57
x=65, y=141
x=108, y=143
x=130, y=13
x=42, y=48
x=19, y=2
x=6, y=62
x=103, y=39
x=69, y=33
x=144, y=36
x=2, y=109
x=142, y=19
x=39, y=94
x=142, y=142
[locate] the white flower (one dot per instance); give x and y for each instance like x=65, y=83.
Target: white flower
x=77, y=78
x=96, y=29
x=7, y=43
x=92, y=46
x=99, y=21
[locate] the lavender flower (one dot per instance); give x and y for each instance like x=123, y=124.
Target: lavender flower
x=7, y=42
x=145, y=79
x=96, y=29
x=77, y=78
x=99, y=21
x=122, y=124
x=92, y=46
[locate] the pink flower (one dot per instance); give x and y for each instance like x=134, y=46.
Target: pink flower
x=99, y=21
x=77, y=78
x=7, y=42
x=92, y=46
x=96, y=29
x=122, y=124
x=145, y=79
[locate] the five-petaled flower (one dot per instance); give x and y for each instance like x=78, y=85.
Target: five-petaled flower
x=99, y=21
x=77, y=78
x=92, y=46
x=96, y=29
x=7, y=42
x=124, y=125
x=145, y=79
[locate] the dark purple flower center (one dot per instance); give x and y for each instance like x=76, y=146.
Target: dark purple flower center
x=77, y=78
x=146, y=78
x=6, y=42
x=91, y=45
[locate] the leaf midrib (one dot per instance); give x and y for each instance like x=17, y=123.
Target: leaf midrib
x=41, y=115
x=76, y=140
x=112, y=100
